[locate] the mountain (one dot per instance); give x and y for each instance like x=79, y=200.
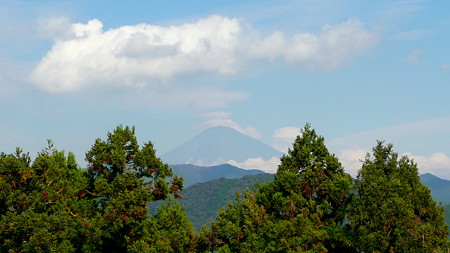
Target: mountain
x=440, y=188
x=218, y=145
x=193, y=174
x=203, y=201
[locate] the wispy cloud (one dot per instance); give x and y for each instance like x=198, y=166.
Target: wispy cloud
x=414, y=58
x=215, y=115
x=83, y=56
x=250, y=131
x=412, y=35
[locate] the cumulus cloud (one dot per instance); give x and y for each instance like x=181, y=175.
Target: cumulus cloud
x=84, y=56
x=269, y=166
x=437, y=164
x=351, y=160
x=250, y=131
x=284, y=137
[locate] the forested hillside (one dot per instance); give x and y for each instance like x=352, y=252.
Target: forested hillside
x=202, y=201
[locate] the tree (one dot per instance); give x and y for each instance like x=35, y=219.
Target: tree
x=52, y=205
x=124, y=178
x=168, y=231
x=42, y=205
x=301, y=210
x=310, y=183
x=392, y=211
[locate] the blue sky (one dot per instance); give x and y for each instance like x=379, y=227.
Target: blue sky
x=358, y=71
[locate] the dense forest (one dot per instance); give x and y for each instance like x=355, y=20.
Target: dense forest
x=50, y=204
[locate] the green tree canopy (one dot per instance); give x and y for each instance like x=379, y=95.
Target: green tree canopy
x=52, y=205
x=125, y=178
x=301, y=210
x=392, y=210
x=42, y=204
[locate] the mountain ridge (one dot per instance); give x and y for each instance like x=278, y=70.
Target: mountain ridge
x=193, y=174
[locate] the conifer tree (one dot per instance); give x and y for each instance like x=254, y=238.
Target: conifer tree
x=392, y=210
x=301, y=210
x=125, y=178
x=43, y=204
x=52, y=205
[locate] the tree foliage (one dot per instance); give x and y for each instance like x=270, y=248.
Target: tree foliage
x=301, y=210
x=392, y=210
x=43, y=203
x=51, y=205
x=125, y=178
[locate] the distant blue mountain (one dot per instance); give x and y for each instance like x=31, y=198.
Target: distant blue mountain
x=440, y=188
x=217, y=145
x=193, y=174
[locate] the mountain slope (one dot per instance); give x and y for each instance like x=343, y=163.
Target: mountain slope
x=217, y=145
x=440, y=188
x=193, y=174
x=202, y=201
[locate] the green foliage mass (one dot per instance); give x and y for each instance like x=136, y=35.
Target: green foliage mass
x=313, y=206
x=51, y=205
x=447, y=217
x=301, y=210
x=392, y=210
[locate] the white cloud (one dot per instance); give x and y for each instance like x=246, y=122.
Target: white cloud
x=250, y=131
x=351, y=160
x=414, y=57
x=284, y=138
x=84, y=56
x=286, y=133
x=269, y=166
x=437, y=164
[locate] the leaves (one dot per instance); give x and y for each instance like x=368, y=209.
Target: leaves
x=52, y=205
x=392, y=210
